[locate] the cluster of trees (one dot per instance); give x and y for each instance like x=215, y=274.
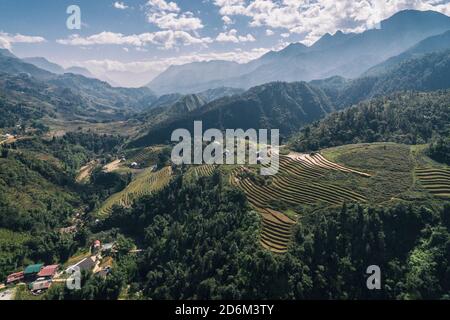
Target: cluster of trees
x=202, y=243
x=439, y=150
x=411, y=118
x=13, y=114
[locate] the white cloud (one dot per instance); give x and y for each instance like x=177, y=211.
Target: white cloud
x=7, y=40
x=168, y=16
x=120, y=5
x=162, y=5
x=227, y=20
x=165, y=39
x=232, y=36
x=175, y=21
x=314, y=18
x=269, y=32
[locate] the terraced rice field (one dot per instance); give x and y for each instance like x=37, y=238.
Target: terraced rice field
x=199, y=171
x=316, y=160
x=145, y=184
x=435, y=181
x=204, y=170
x=276, y=232
x=146, y=156
x=297, y=183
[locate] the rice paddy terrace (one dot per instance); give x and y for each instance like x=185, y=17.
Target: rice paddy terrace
x=205, y=170
x=363, y=173
x=296, y=183
x=144, y=157
x=145, y=183
x=435, y=181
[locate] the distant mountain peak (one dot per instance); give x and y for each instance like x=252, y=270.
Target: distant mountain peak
x=7, y=53
x=409, y=18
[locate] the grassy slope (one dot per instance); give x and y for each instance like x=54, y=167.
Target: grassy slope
x=392, y=165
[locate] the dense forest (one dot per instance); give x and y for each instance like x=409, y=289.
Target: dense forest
x=202, y=245
x=439, y=150
x=411, y=118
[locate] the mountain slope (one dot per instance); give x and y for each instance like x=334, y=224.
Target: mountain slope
x=346, y=55
x=426, y=73
x=284, y=106
x=429, y=45
x=411, y=118
x=67, y=96
x=44, y=64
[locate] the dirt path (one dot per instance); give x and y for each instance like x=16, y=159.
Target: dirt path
x=112, y=166
x=8, y=294
x=86, y=171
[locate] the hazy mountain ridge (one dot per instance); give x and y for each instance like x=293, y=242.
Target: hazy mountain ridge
x=300, y=103
x=52, y=67
x=68, y=96
x=346, y=55
x=427, y=72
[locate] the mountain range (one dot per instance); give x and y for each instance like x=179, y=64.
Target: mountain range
x=57, y=69
x=66, y=96
x=289, y=106
x=347, y=55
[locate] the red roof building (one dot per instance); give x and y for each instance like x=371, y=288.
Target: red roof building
x=48, y=271
x=15, y=277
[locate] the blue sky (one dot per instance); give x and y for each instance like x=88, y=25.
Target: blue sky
x=131, y=41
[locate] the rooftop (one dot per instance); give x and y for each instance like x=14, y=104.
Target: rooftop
x=34, y=268
x=48, y=271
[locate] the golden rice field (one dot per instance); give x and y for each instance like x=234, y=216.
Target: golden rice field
x=145, y=183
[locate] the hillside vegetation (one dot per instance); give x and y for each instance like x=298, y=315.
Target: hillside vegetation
x=284, y=106
x=213, y=253
x=411, y=118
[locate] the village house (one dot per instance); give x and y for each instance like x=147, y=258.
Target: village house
x=15, y=278
x=31, y=271
x=48, y=272
x=40, y=284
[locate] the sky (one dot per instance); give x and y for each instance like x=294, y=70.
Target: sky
x=130, y=42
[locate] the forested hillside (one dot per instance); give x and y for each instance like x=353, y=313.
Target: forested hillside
x=278, y=105
x=429, y=72
x=29, y=89
x=411, y=118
